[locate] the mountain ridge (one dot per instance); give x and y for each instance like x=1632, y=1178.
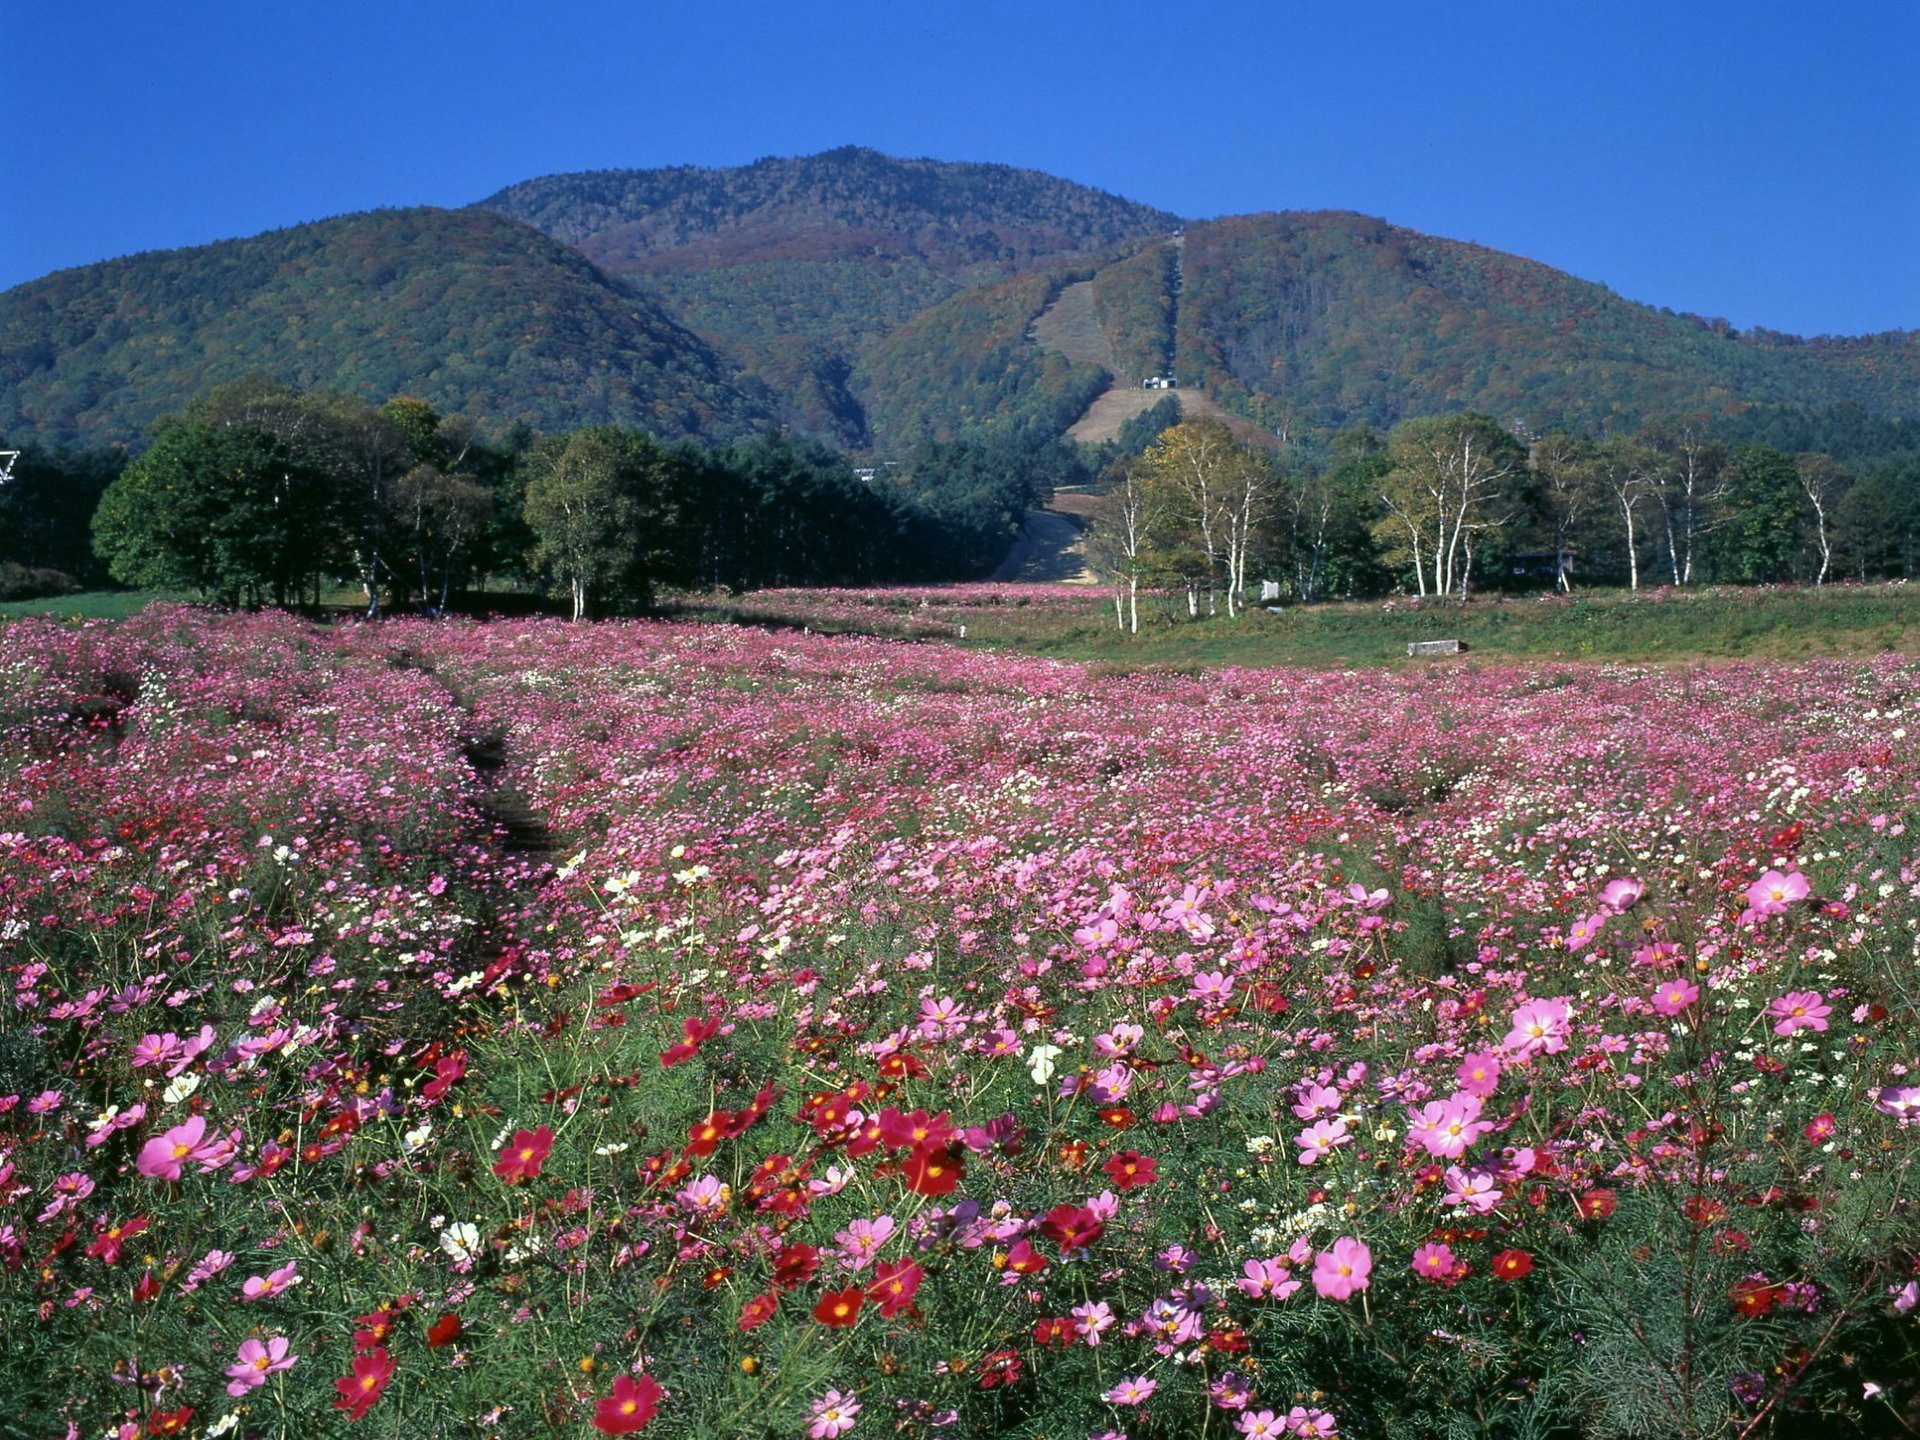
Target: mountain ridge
x=873, y=300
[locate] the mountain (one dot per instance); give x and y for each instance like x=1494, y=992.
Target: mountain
x=1341, y=318
x=797, y=267
x=465, y=308
x=873, y=301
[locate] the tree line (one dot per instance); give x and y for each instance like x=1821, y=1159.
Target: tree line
x=256, y=494
x=1447, y=505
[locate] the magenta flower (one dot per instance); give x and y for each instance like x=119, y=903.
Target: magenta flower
x=1311, y=1424
x=1540, y=1027
x=1773, y=892
x=1135, y=1390
x=1799, y=1010
x=1479, y=1073
x=166, y=1155
x=1339, y=1272
x=277, y=1282
x=1900, y=1101
x=1434, y=1261
x=1622, y=894
x=1675, y=996
x=1447, y=1129
x=1261, y=1425
x=1583, y=932
x=257, y=1361
x=1321, y=1139
x=1267, y=1280
x=832, y=1415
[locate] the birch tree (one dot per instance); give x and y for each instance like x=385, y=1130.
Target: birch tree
x=1452, y=480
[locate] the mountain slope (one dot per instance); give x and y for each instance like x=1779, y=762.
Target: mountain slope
x=468, y=309
x=798, y=266
x=1340, y=319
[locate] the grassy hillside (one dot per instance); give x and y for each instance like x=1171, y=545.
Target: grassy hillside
x=967, y=363
x=470, y=310
x=1349, y=319
x=798, y=266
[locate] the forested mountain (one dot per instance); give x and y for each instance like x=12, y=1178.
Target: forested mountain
x=1345, y=319
x=797, y=267
x=477, y=313
x=877, y=302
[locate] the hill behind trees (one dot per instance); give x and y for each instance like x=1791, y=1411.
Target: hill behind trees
x=470, y=310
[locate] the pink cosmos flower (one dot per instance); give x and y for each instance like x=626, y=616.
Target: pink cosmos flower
x=1479, y=1073
x=1312, y=1424
x=1540, y=1027
x=1773, y=892
x=1267, y=1280
x=1622, y=894
x=1339, y=1272
x=257, y=1361
x=1321, y=1138
x=1473, y=1189
x=1900, y=1101
x=833, y=1414
x=1799, y=1010
x=1135, y=1390
x=1434, y=1261
x=277, y=1282
x=1675, y=996
x=1261, y=1425
x=1092, y=1320
x=1447, y=1129
x=166, y=1155
x=1583, y=932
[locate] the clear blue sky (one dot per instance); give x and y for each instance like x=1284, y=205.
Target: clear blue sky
x=1758, y=160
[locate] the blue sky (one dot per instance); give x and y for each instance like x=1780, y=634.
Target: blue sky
x=1757, y=161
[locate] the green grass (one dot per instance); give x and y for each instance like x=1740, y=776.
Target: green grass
x=88, y=605
x=1607, y=626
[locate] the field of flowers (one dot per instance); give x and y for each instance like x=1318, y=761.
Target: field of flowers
x=444, y=1029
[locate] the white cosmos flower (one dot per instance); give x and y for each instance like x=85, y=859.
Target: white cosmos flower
x=1040, y=1062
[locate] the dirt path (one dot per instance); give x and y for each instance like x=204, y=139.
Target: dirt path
x=1047, y=551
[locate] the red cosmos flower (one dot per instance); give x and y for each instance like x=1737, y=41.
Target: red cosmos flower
x=1754, y=1295
x=1597, y=1204
x=1511, y=1265
x=372, y=1330
x=147, y=1288
x=1130, y=1169
x=917, y=1130
x=704, y=1136
x=903, y=1065
x=1072, y=1227
x=631, y=1405
x=696, y=1032
x=1055, y=1330
x=1023, y=1259
x=760, y=1309
x=932, y=1171
x=113, y=1238
x=794, y=1264
x=894, y=1284
x=1001, y=1367
x=839, y=1308
x=365, y=1385
x=446, y=1070
x=444, y=1331
x=169, y=1422
x=524, y=1155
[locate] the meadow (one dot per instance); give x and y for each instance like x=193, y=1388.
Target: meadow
x=527, y=1029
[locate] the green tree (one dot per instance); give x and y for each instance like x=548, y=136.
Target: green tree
x=223, y=510
x=1453, y=480
x=1761, y=536
x=607, y=508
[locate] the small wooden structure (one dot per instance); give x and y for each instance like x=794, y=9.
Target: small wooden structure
x=1417, y=648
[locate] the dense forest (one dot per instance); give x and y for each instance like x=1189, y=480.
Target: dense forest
x=872, y=302
x=259, y=494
